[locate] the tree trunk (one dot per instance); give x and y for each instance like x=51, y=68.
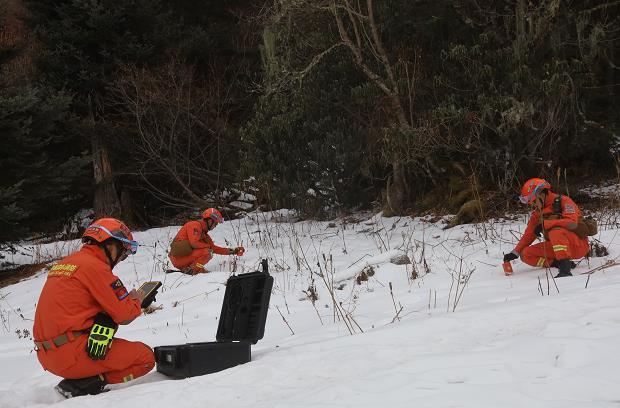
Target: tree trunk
x=396, y=189
x=106, y=202
x=131, y=216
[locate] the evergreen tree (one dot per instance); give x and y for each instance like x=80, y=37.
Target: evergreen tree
x=306, y=147
x=92, y=46
x=44, y=180
x=522, y=97
x=85, y=41
x=83, y=45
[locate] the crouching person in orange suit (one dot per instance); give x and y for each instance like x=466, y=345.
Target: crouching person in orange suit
x=79, y=310
x=559, y=219
x=192, y=247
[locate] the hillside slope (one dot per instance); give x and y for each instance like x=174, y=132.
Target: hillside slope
x=459, y=335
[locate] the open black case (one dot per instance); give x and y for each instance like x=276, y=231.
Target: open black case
x=241, y=324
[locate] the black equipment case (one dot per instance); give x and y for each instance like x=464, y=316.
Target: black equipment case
x=242, y=323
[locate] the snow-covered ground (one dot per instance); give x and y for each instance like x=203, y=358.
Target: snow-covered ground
x=461, y=334
x=609, y=189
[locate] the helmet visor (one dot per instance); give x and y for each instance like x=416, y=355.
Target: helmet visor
x=531, y=196
x=129, y=244
x=216, y=218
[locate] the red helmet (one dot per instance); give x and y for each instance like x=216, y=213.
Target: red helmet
x=106, y=228
x=532, y=187
x=213, y=214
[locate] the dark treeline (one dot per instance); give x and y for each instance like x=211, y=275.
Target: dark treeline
x=146, y=108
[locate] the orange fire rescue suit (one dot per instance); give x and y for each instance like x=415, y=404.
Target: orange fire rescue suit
x=561, y=242
x=77, y=288
x=196, y=234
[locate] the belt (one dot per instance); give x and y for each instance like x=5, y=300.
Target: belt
x=59, y=341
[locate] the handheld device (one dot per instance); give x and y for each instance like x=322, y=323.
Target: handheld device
x=149, y=289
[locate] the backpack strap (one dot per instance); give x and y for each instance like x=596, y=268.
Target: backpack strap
x=557, y=205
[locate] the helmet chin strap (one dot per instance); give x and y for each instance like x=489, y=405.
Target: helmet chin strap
x=545, y=193
x=109, y=255
x=542, y=198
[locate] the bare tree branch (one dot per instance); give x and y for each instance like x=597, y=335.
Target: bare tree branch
x=180, y=124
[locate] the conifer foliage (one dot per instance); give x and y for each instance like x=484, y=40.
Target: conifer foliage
x=144, y=108
x=44, y=174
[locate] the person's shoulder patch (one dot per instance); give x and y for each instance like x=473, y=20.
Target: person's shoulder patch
x=569, y=208
x=119, y=289
x=196, y=228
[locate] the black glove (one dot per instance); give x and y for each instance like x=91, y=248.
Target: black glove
x=538, y=230
x=100, y=336
x=146, y=302
x=239, y=251
x=510, y=256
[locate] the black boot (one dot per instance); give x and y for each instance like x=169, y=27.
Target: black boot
x=82, y=386
x=187, y=270
x=554, y=264
x=564, y=268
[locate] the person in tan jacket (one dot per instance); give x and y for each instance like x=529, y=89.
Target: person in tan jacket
x=192, y=247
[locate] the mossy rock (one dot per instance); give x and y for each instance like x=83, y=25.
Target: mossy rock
x=387, y=212
x=470, y=211
x=455, y=202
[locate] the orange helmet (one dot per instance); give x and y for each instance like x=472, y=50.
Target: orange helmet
x=213, y=214
x=106, y=228
x=532, y=187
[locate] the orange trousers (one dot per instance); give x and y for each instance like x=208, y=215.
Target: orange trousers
x=125, y=361
x=196, y=260
x=562, y=244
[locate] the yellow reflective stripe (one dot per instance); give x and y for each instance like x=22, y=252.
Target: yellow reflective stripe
x=558, y=248
x=128, y=378
x=541, y=262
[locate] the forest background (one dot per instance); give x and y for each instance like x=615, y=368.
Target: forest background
x=146, y=110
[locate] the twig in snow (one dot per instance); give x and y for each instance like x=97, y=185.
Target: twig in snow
x=358, y=260
x=289, y=326
x=540, y=289
x=547, y=274
x=606, y=265
x=394, y=303
x=397, y=315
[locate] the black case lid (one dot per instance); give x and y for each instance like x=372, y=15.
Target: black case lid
x=245, y=306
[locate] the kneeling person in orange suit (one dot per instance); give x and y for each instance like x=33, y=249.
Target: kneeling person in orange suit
x=192, y=247
x=559, y=219
x=79, y=310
